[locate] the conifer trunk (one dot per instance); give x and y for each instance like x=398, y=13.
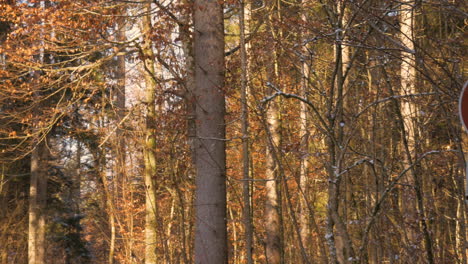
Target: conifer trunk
x=210, y=201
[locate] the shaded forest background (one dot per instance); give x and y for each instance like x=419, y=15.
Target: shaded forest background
x=321, y=131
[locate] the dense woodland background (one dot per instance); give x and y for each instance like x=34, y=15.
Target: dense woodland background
x=249, y=131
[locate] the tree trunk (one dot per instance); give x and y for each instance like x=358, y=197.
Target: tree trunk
x=37, y=204
x=409, y=113
x=189, y=80
x=38, y=187
x=210, y=203
x=407, y=73
x=190, y=109
x=339, y=241
x=247, y=218
x=120, y=75
x=274, y=249
x=150, y=144
x=304, y=135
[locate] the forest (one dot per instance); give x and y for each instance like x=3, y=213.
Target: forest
x=232, y=131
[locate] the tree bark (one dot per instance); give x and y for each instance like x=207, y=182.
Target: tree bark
x=37, y=204
x=304, y=136
x=339, y=241
x=247, y=218
x=38, y=187
x=210, y=203
x=190, y=111
x=274, y=248
x=150, y=173
x=189, y=80
x=120, y=76
x=409, y=113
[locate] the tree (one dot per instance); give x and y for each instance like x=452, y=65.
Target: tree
x=37, y=204
x=210, y=201
x=410, y=133
x=150, y=142
x=247, y=218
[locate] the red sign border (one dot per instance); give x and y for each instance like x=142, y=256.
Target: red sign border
x=460, y=100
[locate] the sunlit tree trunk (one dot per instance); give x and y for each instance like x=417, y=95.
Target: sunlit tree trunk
x=210, y=203
x=273, y=243
x=407, y=72
x=343, y=102
x=247, y=218
x=38, y=184
x=409, y=113
x=37, y=204
x=150, y=144
x=272, y=203
x=109, y=204
x=304, y=134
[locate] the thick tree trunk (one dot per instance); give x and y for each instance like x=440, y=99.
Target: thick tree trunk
x=38, y=188
x=150, y=144
x=37, y=205
x=210, y=203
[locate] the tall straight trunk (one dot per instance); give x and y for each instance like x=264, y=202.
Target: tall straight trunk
x=37, y=204
x=408, y=113
x=190, y=109
x=38, y=186
x=210, y=200
x=370, y=132
x=247, y=218
x=109, y=204
x=343, y=102
x=272, y=203
x=304, y=135
x=120, y=76
x=189, y=80
x=407, y=73
x=273, y=246
x=150, y=173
